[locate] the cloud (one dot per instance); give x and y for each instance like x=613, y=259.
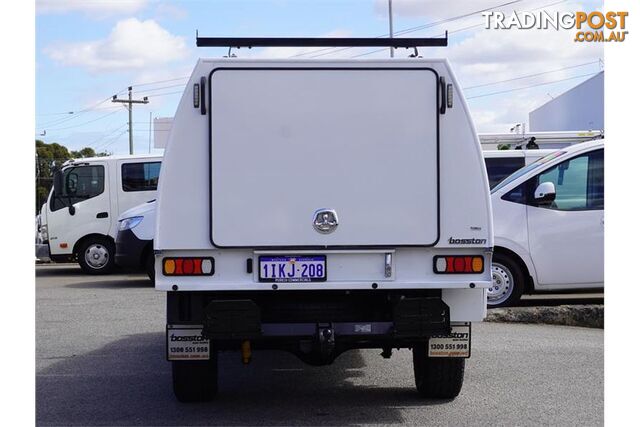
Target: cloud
x=131, y=45
x=90, y=7
x=170, y=11
x=480, y=56
x=495, y=55
x=444, y=9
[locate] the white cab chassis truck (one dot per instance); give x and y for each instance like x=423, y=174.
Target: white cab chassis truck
x=80, y=216
x=318, y=207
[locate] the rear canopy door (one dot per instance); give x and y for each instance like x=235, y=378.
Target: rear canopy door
x=286, y=143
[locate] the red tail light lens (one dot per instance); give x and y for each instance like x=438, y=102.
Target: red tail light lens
x=188, y=266
x=458, y=264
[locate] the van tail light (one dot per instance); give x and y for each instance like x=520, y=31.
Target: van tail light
x=458, y=264
x=188, y=266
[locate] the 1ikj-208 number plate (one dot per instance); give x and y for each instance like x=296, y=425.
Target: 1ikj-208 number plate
x=293, y=268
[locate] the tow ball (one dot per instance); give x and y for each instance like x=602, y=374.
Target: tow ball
x=325, y=342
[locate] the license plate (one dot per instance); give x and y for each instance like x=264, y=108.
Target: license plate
x=456, y=344
x=185, y=342
x=293, y=268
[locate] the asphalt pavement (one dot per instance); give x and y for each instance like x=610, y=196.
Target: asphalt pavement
x=100, y=361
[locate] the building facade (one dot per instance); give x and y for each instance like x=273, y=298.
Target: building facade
x=579, y=108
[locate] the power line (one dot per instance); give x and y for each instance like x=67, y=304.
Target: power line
x=460, y=29
x=163, y=94
x=75, y=114
x=160, y=81
x=112, y=131
x=112, y=140
x=408, y=30
x=163, y=87
x=532, y=75
x=530, y=87
x=85, y=123
x=55, y=114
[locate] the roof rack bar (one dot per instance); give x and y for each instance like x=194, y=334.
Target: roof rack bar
x=319, y=42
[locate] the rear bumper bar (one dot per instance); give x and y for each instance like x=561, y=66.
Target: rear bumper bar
x=391, y=316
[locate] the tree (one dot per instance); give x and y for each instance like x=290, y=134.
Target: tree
x=85, y=152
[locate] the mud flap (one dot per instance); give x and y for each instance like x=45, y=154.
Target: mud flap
x=232, y=319
x=420, y=317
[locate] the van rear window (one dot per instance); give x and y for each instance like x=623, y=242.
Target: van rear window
x=140, y=176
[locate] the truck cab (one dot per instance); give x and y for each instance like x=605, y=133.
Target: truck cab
x=88, y=196
x=318, y=207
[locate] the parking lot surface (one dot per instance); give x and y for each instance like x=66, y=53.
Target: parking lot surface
x=100, y=361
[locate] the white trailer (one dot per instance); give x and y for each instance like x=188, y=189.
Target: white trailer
x=318, y=207
x=80, y=216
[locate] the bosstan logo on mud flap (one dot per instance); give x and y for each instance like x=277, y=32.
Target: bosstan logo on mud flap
x=590, y=26
x=187, y=338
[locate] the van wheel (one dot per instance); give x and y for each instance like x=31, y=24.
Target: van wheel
x=507, y=282
x=96, y=255
x=150, y=267
x=195, y=380
x=439, y=378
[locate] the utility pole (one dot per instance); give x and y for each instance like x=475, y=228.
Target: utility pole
x=391, y=26
x=130, y=103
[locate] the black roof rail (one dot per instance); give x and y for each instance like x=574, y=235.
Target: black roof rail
x=238, y=42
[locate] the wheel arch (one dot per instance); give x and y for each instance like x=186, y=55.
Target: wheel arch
x=529, y=275
x=83, y=239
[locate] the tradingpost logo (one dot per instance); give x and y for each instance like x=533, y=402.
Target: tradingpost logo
x=590, y=27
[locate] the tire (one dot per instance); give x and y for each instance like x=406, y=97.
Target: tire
x=150, y=266
x=195, y=381
x=96, y=255
x=437, y=378
x=508, y=282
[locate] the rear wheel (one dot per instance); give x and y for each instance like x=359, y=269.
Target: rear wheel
x=195, y=381
x=439, y=378
x=96, y=255
x=507, y=282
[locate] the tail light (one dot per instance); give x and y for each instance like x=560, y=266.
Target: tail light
x=458, y=264
x=188, y=266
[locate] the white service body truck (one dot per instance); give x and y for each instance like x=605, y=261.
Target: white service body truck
x=80, y=216
x=318, y=207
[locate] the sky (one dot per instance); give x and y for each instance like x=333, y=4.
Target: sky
x=89, y=50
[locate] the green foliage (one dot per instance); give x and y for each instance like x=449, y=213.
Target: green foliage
x=85, y=152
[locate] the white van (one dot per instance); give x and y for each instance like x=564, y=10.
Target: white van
x=134, y=242
x=80, y=216
x=502, y=163
x=549, y=225
x=318, y=207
